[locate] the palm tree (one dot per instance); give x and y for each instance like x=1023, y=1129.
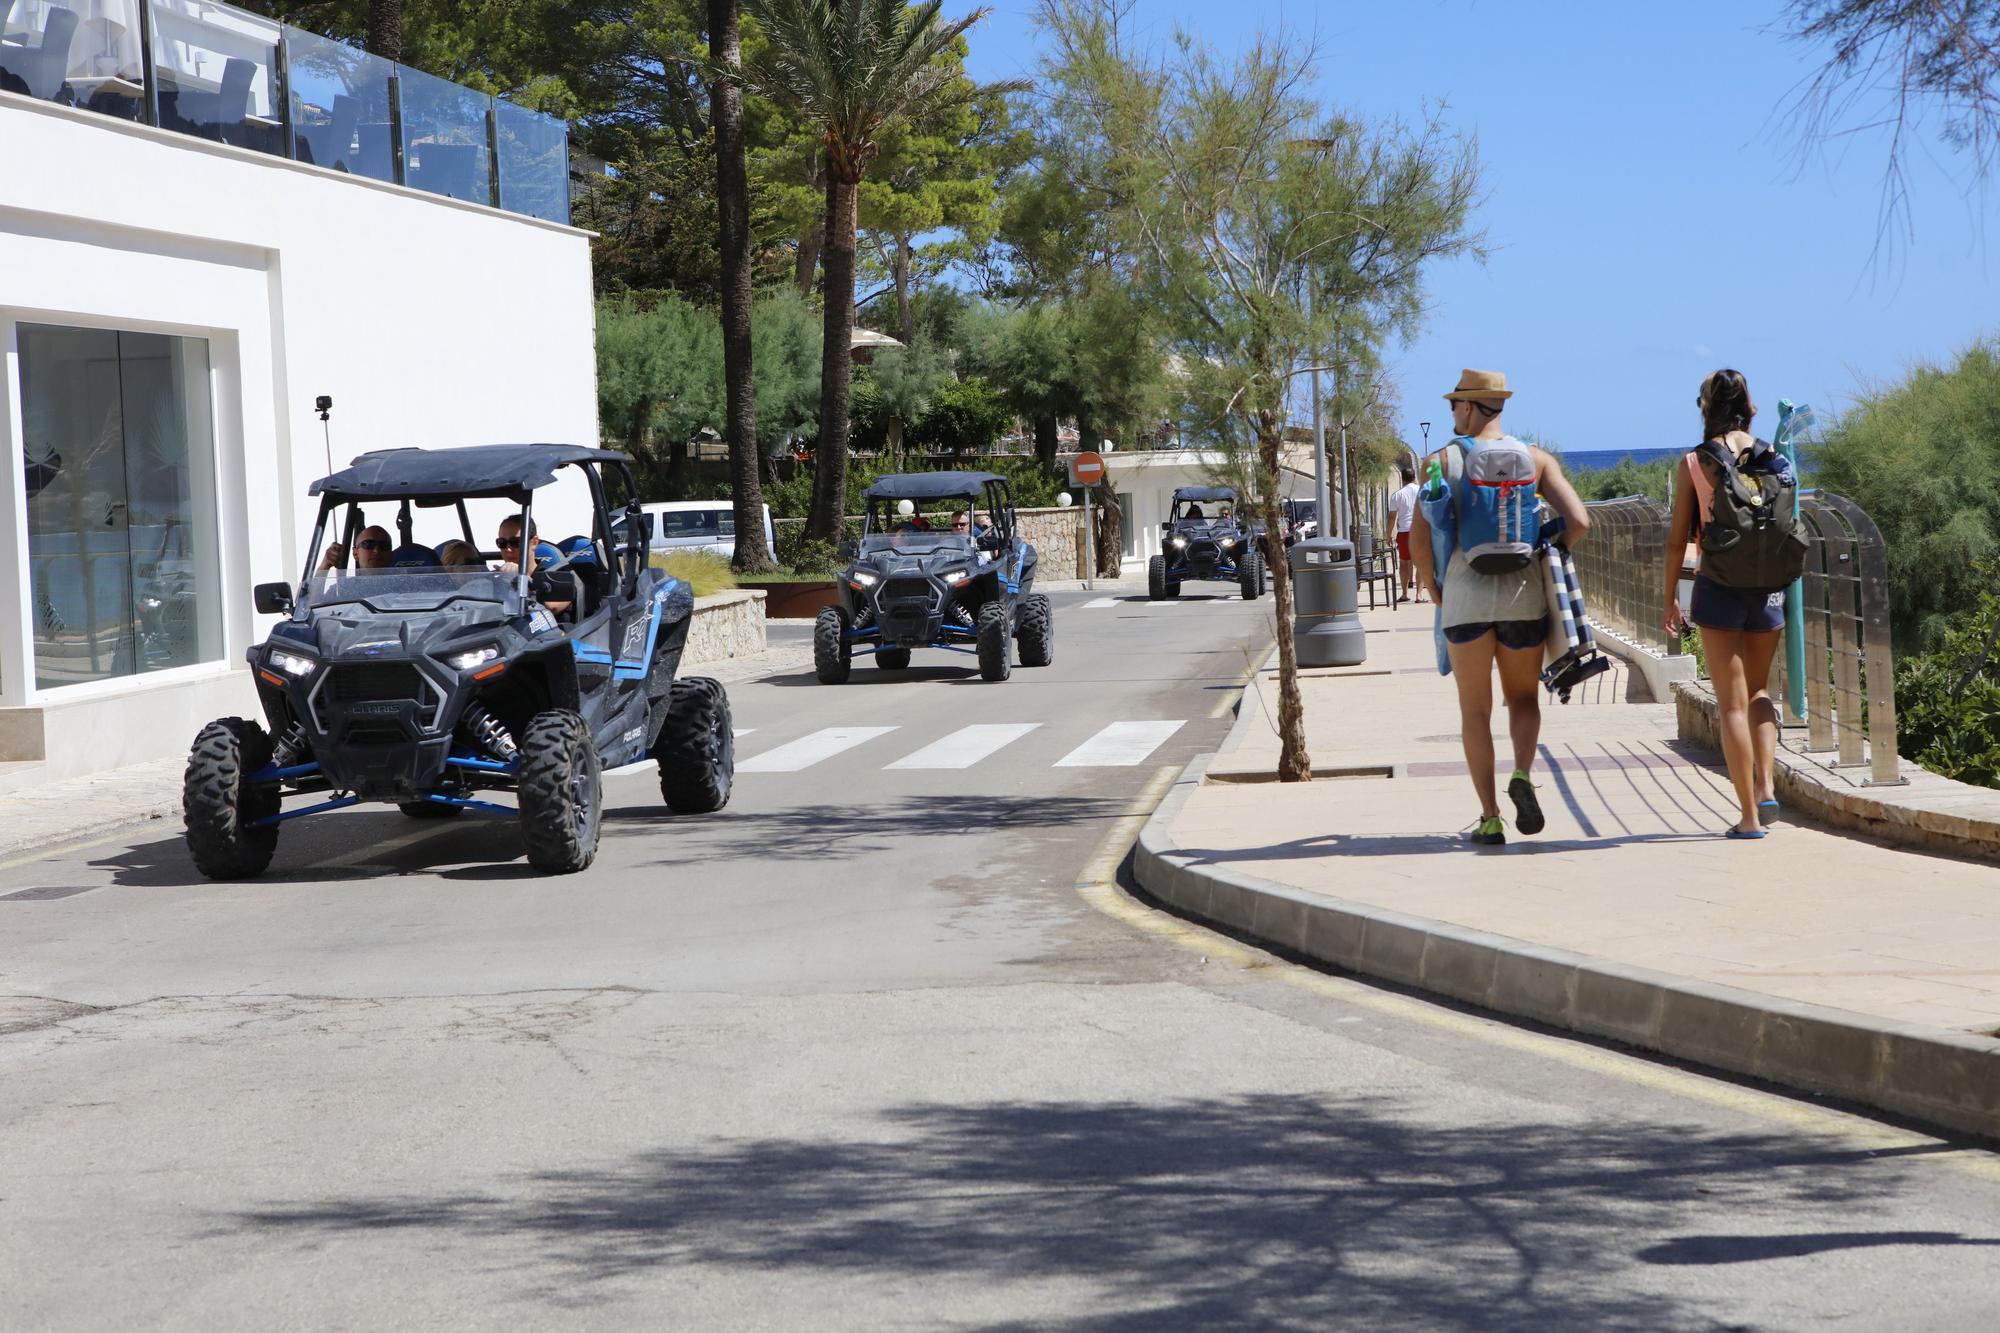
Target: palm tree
x=732, y=192
x=385, y=28
x=853, y=68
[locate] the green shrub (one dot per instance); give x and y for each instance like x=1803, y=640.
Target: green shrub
x=1948, y=701
x=704, y=571
x=1923, y=458
x=807, y=556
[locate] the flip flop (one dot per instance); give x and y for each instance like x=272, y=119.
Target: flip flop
x=1744, y=834
x=1767, y=811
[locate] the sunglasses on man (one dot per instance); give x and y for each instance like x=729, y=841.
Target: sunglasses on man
x=508, y=543
x=371, y=544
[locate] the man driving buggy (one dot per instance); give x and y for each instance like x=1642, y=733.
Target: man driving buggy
x=543, y=556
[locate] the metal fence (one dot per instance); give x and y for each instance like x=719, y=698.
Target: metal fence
x=1619, y=567
x=1850, y=685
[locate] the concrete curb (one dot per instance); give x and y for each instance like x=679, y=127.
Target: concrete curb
x=1945, y=1078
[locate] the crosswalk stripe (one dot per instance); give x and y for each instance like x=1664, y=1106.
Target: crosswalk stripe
x=810, y=750
x=967, y=746
x=1120, y=745
x=1099, y=604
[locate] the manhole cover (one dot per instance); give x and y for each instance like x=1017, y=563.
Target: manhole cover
x=45, y=893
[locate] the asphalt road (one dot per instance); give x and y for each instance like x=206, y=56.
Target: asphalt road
x=882, y=1045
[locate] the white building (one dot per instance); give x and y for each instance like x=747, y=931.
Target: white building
x=207, y=221
x=1145, y=483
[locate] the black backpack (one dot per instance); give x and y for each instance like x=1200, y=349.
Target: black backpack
x=1753, y=538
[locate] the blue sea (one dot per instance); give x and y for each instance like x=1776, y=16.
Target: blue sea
x=1592, y=460
x=1596, y=460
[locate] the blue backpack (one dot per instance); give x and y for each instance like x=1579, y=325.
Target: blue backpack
x=1497, y=512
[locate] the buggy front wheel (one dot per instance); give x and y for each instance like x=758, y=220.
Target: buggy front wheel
x=221, y=810
x=560, y=792
x=833, y=655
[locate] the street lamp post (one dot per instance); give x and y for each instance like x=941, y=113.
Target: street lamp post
x=1320, y=500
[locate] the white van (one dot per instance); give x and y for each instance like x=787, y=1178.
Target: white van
x=700, y=525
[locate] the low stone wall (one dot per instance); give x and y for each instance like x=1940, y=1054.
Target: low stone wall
x=726, y=624
x=1057, y=536
x=1928, y=812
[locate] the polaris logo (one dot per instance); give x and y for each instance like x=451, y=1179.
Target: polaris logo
x=376, y=708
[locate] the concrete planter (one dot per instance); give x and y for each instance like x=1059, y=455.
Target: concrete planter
x=795, y=601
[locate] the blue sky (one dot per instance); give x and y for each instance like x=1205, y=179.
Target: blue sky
x=1650, y=215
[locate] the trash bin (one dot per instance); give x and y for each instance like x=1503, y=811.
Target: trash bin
x=1326, y=631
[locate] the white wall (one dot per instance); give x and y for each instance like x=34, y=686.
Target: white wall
x=1150, y=479
x=430, y=322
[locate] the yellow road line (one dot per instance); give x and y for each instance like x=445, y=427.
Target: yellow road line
x=1098, y=887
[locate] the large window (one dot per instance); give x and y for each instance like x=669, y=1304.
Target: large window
x=120, y=471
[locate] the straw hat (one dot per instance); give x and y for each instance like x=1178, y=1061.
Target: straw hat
x=1481, y=386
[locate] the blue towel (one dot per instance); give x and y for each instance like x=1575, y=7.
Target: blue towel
x=1435, y=498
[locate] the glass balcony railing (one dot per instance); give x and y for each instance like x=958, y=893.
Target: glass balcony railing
x=223, y=74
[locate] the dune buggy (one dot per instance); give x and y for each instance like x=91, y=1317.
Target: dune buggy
x=1204, y=539
x=433, y=688
x=940, y=564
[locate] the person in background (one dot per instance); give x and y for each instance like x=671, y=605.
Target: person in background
x=456, y=554
x=1740, y=627
x=372, y=549
x=1491, y=619
x=1403, y=504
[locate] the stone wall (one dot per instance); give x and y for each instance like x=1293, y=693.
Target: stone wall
x=1057, y=536
x=726, y=625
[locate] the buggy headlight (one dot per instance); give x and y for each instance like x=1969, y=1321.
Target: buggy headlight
x=471, y=658
x=864, y=579
x=957, y=578
x=292, y=664
x=1177, y=541
x=1228, y=542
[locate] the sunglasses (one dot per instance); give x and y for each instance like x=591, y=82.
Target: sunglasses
x=961, y=524
x=507, y=543
x=371, y=545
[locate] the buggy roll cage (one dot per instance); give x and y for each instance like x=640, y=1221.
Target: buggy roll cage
x=543, y=464
x=992, y=489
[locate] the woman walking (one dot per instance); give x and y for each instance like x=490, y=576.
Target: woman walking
x=1739, y=598
x=1494, y=602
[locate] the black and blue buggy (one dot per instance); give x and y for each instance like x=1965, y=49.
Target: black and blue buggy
x=940, y=564
x=435, y=687
x=1204, y=539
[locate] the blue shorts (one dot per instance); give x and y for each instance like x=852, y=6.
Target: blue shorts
x=1750, y=610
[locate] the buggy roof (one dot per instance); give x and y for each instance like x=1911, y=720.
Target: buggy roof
x=929, y=485
x=510, y=470
x=1204, y=493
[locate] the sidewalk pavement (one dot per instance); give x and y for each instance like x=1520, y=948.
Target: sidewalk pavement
x=1814, y=958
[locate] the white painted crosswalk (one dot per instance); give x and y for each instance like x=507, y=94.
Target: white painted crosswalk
x=967, y=746
x=1120, y=745
x=1115, y=745
x=809, y=750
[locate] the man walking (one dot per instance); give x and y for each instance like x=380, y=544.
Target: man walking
x=1493, y=603
x=1403, y=504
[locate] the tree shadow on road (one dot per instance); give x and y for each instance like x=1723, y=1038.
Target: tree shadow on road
x=840, y=831
x=1242, y=1211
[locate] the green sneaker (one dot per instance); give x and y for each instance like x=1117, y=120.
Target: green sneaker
x=1527, y=810
x=1490, y=833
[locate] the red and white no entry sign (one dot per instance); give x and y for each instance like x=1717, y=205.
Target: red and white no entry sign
x=1086, y=469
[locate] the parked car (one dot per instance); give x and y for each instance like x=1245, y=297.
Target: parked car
x=697, y=525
